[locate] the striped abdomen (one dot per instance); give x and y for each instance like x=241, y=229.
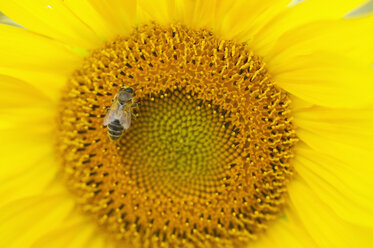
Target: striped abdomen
x=115, y=130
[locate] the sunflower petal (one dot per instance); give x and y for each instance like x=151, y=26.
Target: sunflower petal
x=76, y=231
x=344, y=188
x=350, y=126
x=203, y=14
x=332, y=158
x=298, y=104
x=223, y=17
x=22, y=105
x=334, y=176
x=30, y=182
x=120, y=15
x=24, y=220
x=350, y=37
x=325, y=78
x=343, y=134
x=40, y=61
x=163, y=11
x=24, y=147
x=26, y=123
x=25, y=131
x=73, y=235
x=27, y=162
x=92, y=18
x=298, y=15
x=322, y=223
x=17, y=93
x=286, y=231
x=195, y=14
x=234, y=26
x=53, y=19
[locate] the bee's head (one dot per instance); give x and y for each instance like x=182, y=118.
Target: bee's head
x=125, y=95
x=129, y=90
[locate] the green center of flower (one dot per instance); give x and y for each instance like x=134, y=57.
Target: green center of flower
x=207, y=159
x=178, y=147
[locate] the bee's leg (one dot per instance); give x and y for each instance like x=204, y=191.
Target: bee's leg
x=133, y=116
x=135, y=105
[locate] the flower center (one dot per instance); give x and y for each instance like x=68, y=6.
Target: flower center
x=178, y=147
x=207, y=159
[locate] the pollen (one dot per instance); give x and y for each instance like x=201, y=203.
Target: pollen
x=207, y=158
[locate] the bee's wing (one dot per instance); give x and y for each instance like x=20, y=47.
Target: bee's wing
x=113, y=114
x=125, y=119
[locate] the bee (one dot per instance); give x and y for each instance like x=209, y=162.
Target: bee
x=118, y=116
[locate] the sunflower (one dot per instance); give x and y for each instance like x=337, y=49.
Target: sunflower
x=250, y=124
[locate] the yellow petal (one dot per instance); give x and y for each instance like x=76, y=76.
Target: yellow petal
x=29, y=182
x=24, y=110
x=325, y=78
x=26, y=124
x=344, y=134
x=26, y=135
x=163, y=11
x=228, y=19
x=286, y=231
x=349, y=126
x=322, y=223
x=38, y=60
x=17, y=93
x=27, y=120
x=350, y=37
x=76, y=231
x=53, y=19
x=298, y=15
x=201, y=14
x=333, y=183
x=23, y=221
x=92, y=18
x=245, y=18
x=27, y=161
x=297, y=104
x=121, y=15
x=73, y=235
x=194, y=14
x=345, y=189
